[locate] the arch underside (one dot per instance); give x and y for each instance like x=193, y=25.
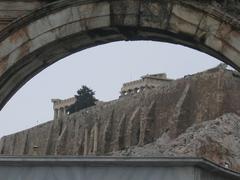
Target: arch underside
x=34, y=42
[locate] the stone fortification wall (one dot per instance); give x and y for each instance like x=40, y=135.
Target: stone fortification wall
x=132, y=120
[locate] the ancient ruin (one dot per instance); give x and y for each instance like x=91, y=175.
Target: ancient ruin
x=146, y=82
x=195, y=116
x=36, y=33
x=60, y=106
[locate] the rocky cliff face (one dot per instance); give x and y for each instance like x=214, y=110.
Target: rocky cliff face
x=217, y=140
x=180, y=115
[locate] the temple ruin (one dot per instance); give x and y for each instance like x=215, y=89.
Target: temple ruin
x=148, y=81
x=60, y=106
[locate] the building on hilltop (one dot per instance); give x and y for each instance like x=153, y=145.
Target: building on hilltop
x=148, y=81
x=60, y=106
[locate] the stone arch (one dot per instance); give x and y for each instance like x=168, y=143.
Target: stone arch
x=32, y=43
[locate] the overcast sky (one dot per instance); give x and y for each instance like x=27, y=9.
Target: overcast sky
x=104, y=69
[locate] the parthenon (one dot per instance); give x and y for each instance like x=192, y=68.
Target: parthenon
x=148, y=81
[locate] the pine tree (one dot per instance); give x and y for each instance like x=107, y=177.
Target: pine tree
x=84, y=98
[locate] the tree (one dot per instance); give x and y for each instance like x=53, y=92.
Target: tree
x=84, y=98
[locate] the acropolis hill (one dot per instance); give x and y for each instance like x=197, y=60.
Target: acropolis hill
x=197, y=115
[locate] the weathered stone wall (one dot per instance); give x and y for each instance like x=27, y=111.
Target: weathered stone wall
x=133, y=120
x=229, y=6
x=11, y=10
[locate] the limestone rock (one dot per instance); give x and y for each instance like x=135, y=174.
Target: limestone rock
x=217, y=140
